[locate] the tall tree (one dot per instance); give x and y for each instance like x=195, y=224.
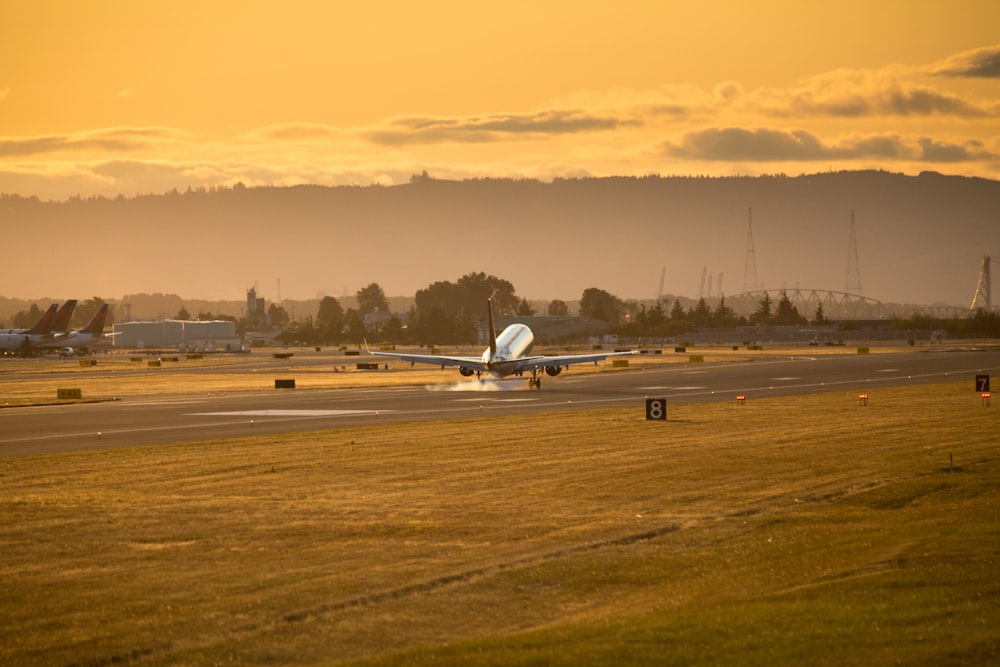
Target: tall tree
x=724, y=316
x=278, y=315
x=655, y=316
x=475, y=288
x=787, y=314
x=557, y=308
x=330, y=319
x=597, y=304
x=448, y=312
x=372, y=299
x=677, y=313
x=701, y=314
x=762, y=316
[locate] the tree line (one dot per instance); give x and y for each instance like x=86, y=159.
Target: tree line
x=451, y=312
x=448, y=312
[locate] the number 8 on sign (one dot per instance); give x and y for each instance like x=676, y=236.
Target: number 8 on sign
x=656, y=409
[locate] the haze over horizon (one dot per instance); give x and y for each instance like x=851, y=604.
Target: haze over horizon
x=125, y=98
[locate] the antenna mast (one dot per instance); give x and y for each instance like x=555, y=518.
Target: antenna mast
x=853, y=283
x=750, y=267
x=983, y=288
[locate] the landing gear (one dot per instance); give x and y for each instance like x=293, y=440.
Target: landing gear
x=534, y=381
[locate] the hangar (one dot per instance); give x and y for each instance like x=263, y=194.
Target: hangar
x=190, y=336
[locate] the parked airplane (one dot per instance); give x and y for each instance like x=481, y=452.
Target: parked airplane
x=506, y=355
x=12, y=340
x=89, y=335
x=65, y=313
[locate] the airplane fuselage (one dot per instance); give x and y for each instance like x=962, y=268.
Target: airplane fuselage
x=513, y=343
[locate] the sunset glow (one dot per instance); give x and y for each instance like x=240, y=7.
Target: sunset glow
x=125, y=97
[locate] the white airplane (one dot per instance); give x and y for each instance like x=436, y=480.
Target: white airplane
x=11, y=340
x=91, y=334
x=506, y=355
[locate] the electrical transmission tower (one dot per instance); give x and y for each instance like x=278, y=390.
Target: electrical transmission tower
x=750, y=267
x=983, y=288
x=853, y=271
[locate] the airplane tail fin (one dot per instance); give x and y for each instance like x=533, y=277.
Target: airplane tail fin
x=96, y=324
x=493, y=329
x=44, y=325
x=63, y=316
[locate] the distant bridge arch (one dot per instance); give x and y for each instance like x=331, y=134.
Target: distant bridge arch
x=836, y=305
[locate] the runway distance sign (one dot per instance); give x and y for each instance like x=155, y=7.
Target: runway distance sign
x=656, y=409
x=982, y=383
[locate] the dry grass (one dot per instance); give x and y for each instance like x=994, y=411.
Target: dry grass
x=805, y=529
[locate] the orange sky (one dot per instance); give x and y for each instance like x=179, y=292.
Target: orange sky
x=136, y=97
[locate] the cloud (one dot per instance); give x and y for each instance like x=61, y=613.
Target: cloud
x=771, y=145
x=495, y=127
x=728, y=91
x=295, y=132
x=977, y=63
x=937, y=151
x=123, y=139
x=857, y=94
x=741, y=144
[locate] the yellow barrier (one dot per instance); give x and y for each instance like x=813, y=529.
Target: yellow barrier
x=619, y=363
x=696, y=358
x=154, y=363
x=863, y=350
x=68, y=393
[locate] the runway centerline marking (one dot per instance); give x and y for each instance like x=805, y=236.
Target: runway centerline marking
x=286, y=413
x=493, y=400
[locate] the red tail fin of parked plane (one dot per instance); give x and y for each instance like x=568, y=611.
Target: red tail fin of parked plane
x=63, y=316
x=43, y=326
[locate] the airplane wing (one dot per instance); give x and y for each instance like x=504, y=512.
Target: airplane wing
x=474, y=363
x=561, y=360
x=519, y=365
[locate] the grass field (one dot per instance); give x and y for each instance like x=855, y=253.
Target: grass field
x=784, y=531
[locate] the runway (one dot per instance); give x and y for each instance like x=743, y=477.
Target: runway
x=152, y=420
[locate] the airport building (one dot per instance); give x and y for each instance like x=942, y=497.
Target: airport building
x=186, y=336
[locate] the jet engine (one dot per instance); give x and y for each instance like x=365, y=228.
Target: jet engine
x=466, y=371
x=553, y=370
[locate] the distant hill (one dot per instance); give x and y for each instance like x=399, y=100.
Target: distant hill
x=920, y=239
